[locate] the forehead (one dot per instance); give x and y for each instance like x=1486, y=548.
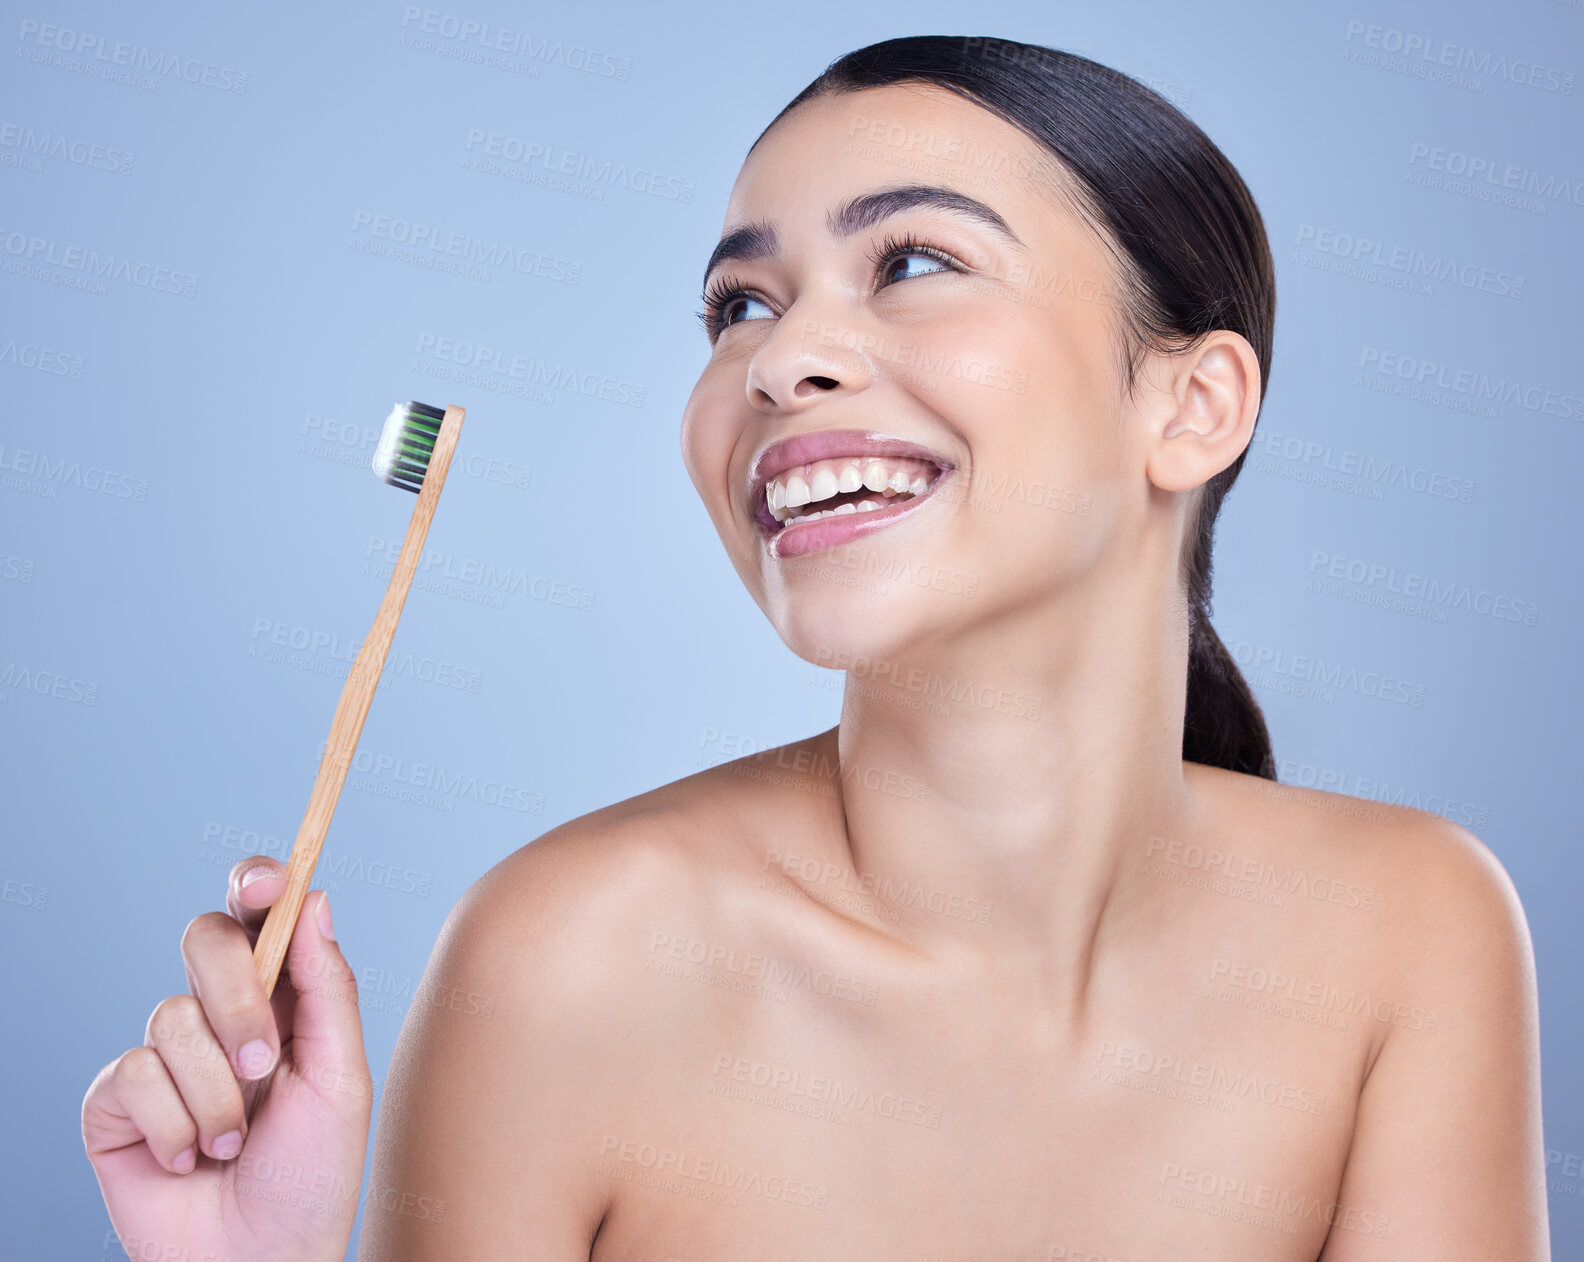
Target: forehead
x=841, y=144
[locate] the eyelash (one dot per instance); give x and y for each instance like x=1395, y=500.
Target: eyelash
x=724, y=290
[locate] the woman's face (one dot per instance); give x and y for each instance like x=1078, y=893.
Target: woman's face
x=911, y=343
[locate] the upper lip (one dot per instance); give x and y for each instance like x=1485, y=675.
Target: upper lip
x=826, y=444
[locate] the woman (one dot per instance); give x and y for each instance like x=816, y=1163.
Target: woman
x=1027, y=957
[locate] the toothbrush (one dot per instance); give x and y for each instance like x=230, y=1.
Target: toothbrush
x=414, y=452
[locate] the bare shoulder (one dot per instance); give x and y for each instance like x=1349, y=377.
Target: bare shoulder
x=1443, y=905
x=1439, y=865
x=568, y=910
x=1446, y=1151
x=541, y=1024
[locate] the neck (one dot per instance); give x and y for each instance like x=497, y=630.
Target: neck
x=1002, y=791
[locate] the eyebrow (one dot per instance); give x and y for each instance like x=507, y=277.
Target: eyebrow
x=758, y=240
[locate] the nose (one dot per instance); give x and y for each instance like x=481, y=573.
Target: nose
x=796, y=367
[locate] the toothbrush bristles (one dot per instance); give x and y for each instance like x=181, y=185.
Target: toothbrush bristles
x=406, y=444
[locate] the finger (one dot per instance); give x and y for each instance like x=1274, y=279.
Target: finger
x=256, y=883
x=133, y=1100
x=327, y=1028
x=223, y=978
x=197, y=1065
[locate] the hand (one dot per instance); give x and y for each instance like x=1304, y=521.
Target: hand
x=184, y=1162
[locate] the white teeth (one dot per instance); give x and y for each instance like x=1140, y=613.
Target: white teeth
x=844, y=475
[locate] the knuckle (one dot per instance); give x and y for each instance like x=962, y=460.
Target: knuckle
x=139, y=1068
x=175, y=1012
x=243, y=1006
x=177, y=1022
x=207, y=931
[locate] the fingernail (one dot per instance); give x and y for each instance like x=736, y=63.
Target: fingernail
x=253, y=874
x=326, y=925
x=185, y=1161
x=227, y=1146
x=255, y=1058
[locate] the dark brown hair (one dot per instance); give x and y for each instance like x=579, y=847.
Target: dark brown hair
x=1191, y=252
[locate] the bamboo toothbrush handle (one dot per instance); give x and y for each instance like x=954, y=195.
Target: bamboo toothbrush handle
x=356, y=693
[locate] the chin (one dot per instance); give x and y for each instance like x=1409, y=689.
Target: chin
x=830, y=624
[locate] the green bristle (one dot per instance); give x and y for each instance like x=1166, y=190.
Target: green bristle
x=407, y=444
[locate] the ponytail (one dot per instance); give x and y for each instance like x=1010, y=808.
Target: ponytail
x=1223, y=725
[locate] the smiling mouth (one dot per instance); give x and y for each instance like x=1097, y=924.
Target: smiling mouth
x=842, y=485
x=824, y=488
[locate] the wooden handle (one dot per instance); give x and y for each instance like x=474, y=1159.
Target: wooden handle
x=356, y=693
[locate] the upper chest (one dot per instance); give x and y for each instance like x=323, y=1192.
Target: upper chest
x=832, y=1112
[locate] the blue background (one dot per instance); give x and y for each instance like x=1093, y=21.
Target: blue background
x=169, y=641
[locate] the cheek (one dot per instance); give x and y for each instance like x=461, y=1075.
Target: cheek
x=709, y=430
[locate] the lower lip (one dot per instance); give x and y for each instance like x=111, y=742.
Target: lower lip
x=830, y=532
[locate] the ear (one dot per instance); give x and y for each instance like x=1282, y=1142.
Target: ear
x=1206, y=415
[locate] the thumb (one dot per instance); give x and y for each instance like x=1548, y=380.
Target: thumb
x=327, y=1027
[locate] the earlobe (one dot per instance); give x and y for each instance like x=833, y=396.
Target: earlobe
x=1210, y=409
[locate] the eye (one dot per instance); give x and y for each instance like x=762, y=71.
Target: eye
x=727, y=303
x=907, y=265
x=742, y=305
x=908, y=258
x=724, y=301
